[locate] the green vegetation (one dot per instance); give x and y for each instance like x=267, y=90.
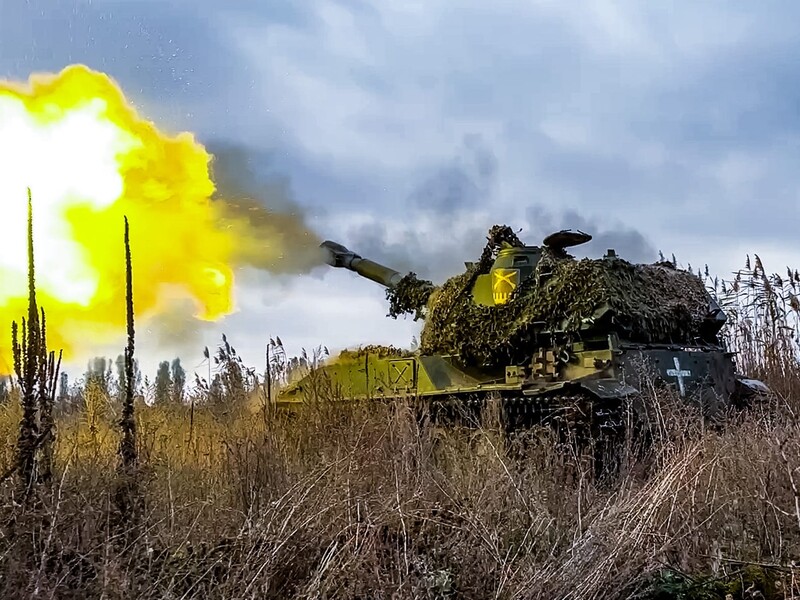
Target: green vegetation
x=212, y=493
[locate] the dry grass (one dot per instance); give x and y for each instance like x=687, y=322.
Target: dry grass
x=365, y=502
x=362, y=502
x=763, y=323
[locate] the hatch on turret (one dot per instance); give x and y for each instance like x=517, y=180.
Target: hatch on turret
x=566, y=238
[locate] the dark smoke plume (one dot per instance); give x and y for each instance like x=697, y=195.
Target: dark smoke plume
x=280, y=239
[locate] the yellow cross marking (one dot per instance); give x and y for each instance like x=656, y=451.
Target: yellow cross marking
x=500, y=278
x=401, y=372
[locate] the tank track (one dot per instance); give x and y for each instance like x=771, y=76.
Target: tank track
x=577, y=410
x=586, y=423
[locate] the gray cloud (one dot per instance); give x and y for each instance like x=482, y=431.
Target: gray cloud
x=434, y=238
x=173, y=59
x=465, y=182
x=450, y=211
x=628, y=242
x=633, y=107
x=413, y=250
x=159, y=49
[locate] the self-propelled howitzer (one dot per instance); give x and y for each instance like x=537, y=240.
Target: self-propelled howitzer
x=555, y=339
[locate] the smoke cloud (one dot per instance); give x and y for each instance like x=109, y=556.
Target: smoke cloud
x=280, y=239
x=628, y=242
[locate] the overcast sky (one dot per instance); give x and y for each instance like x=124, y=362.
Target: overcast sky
x=406, y=129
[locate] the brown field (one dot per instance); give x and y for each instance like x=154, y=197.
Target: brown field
x=233, y=500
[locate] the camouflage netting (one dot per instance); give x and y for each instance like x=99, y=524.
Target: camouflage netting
x=652, y=303
x=409, y=296
x=375, y=350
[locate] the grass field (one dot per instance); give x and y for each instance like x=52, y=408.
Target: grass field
x=234, y=500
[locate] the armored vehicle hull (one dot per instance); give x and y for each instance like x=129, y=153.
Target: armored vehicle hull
x=583, y=387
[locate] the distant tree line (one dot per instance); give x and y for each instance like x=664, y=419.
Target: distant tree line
x=108, y=377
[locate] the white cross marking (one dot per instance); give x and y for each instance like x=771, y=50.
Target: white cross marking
x=680, y=374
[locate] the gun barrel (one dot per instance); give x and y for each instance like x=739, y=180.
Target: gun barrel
x=341, y=257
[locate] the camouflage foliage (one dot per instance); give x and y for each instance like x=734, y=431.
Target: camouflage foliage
x=649, y=303
x=409, y=296
x=375, y=350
